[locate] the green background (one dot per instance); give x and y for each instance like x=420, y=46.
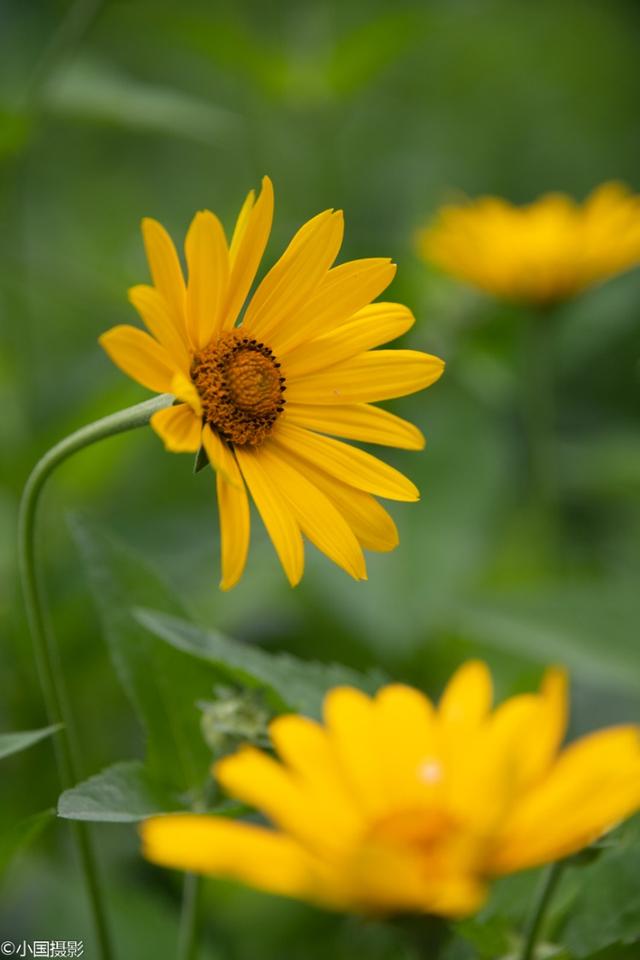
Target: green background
x=154, y=108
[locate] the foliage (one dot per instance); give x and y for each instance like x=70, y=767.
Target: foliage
x=153, y=108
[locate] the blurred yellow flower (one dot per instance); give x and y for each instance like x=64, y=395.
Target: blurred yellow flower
x=260, y=395
x=394, y=805
x=541, y=253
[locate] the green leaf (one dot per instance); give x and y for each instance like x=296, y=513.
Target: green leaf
x=97, y=91
x=123, y=793
x=298, y=685
x=16, y=836
x=606, y=909
x=581, y=625
x=15, y=742
x=164, y=684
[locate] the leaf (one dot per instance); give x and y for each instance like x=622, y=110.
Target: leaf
x=585, y=628
x=15, y=742
x=18, y=835
x=123, y=793
x=606, y=910
x=299, y=685
x=163, y=684
x=97, y=91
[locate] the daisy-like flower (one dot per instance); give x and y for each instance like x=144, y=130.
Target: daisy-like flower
x=542, y=253
x=393, y=805
x=261, y=390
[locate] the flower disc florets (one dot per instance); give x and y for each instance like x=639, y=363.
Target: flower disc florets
x=240, y=386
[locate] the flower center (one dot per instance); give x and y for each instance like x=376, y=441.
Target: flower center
x=240, y=386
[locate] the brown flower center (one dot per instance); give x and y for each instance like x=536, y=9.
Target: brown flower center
x=240, y=386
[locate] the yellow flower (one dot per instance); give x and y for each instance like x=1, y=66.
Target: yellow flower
x=542, y=253
x=261, y=395
x=394, y=805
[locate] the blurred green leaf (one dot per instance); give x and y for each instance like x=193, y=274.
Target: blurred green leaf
x=14, y=837
x=15, y=742
x=163, y=684
x=298, y=684
x=123, y=793
x=606, y=909
x=100, y=92
x=577, y=625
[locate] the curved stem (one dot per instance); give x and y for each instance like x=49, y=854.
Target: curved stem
x=545, y=893
x=46, y=653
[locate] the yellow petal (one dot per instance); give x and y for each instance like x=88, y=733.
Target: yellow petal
x=165, y=268
x=153, y=309
x=276, y=514
x=466, y=700
x=370, y=522
x=259, y=780
x=357, y=422
x=220, y=456
x=222, y=847
x=375, y=375
x=183, y=388
x=233, y=506
x=346, y=463
x=349, y=717
x=373, y=325
x=247, y=247
x=294, y=278
x=178, y=427
x=406, y=735
x=208, y=262
x=140, y=357
x=594, y=784
x=346, y=289
x=307, y=750
x=319, y=520
x=528, y=729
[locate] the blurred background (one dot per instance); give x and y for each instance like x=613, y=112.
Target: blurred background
x=128, y=108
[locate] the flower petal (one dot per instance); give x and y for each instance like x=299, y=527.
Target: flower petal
x=368, y=377
x=140, y=357
x=276, y=514
x=233, y=507
x=594, y=784
x=250, y=237
x=292, y=804
x=466, y=700
x=294, y=278
x=219, y=846
x=346, y=289
x=153, y=309
x=208, y=262
x=220, y=456
x=319, y=520
x=373, y=325
x=406, y=735
x=370, y=522
x=165, y=268
x=349, y=464
x=357, y=422
x=179, y=428
x=350, y=719
x=306, y=748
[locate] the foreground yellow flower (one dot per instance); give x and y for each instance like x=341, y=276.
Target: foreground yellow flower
x=394, y=805
x=541, y=253
x=260, y=396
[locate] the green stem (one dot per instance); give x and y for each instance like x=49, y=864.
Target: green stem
x=539, y=406
x=188, y=935
x=46, y=653
x=545, y=893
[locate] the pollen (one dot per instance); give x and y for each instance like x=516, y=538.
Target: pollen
x=240, y=386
